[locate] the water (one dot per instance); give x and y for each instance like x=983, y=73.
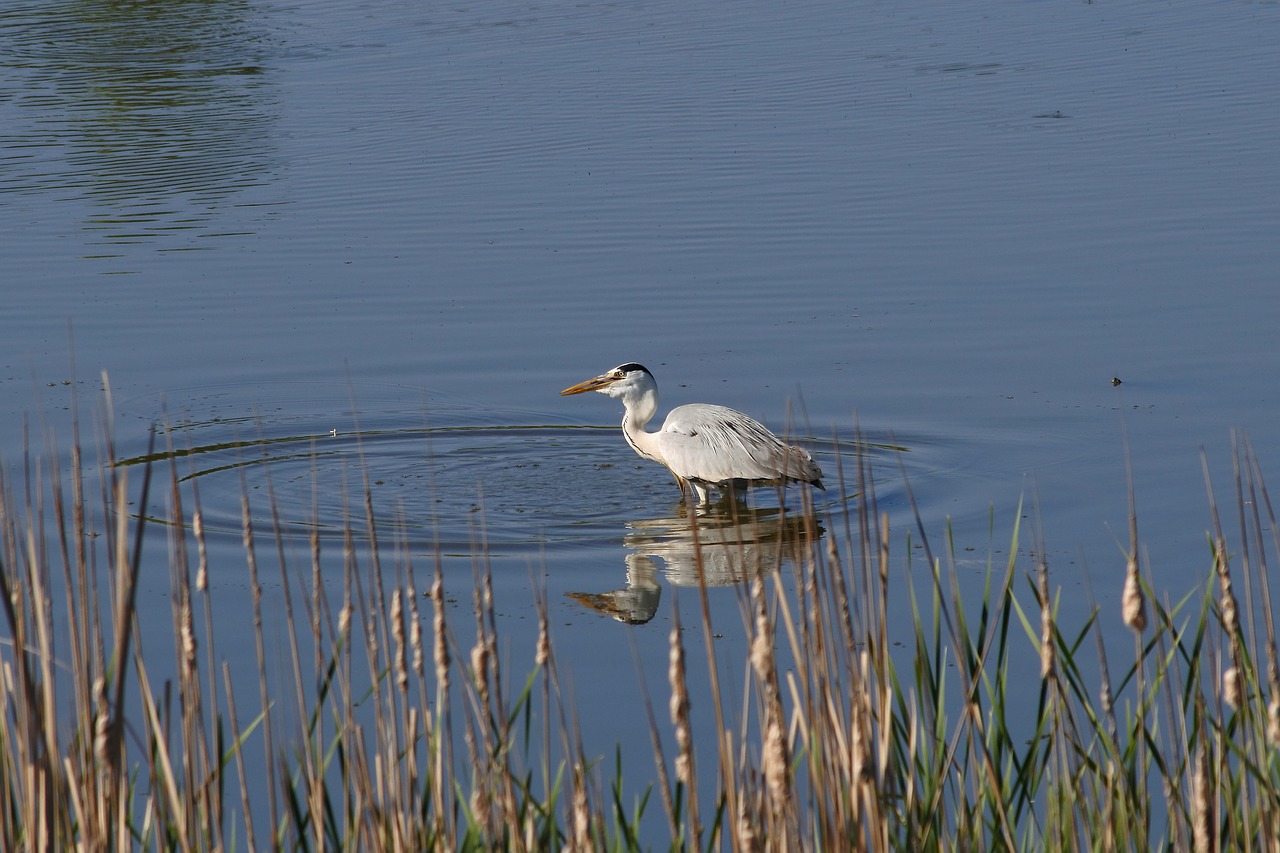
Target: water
x=391, y=234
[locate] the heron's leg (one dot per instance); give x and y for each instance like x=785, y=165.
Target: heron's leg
x=681, y=483
x=702, y=493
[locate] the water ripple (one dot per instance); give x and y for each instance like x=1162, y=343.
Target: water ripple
x=157, y=113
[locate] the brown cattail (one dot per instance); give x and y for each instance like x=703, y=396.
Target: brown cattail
x=415, y=642
x=1232, y=691
x=202, y=573
x=680, y=709
x=1104, y=696
x=415, y=630
x=762, y=660
x=862, y=769
x=480, y=669
x=101, y=722
x=401, y=652
x=371, y=636
x=860, y=740
x=1230, y=612
x=581, y=811
x=776, y=770
x=188, y=635
x=1047, y=651
x=481, y=804
x=1201, y=805
x=440, y=645
x=746, y=829
x=542, y=652
x=1133, y=602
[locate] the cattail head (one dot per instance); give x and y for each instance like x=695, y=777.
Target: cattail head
x=761, y=654
x=762, y=657
x=371, y=635
x=480, y=669
x=776, y=763
x=415, y=630
x=581, y=811
x=1133, y=602
x=188, y=635
x=1230, y=612
x=344, y=620
x=400, y=656
x=1232, y=689
x=246, y=528
x=440, y=644
x=415, y=643
x=1047, y=652
x=542, y=652
x=746, y=830
x=101, y=722
x=481, y=805
x=1227, y=600
x=1201, y=805
x=202, y=573
x=1273, y=722
x=859, y=740
x=680, y=708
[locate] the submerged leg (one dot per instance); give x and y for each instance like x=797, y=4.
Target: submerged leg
x=702, y=493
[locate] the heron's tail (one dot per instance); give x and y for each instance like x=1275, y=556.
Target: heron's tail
x=801, y=467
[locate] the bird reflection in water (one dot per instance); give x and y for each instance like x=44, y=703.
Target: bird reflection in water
x=727, y=546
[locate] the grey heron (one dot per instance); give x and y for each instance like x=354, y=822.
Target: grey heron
x=702, y=445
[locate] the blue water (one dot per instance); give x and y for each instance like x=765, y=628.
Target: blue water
x=948, y=225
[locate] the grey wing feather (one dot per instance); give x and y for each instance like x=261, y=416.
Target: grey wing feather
x=717, y=444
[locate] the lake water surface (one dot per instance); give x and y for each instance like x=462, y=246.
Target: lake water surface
x=324, y=238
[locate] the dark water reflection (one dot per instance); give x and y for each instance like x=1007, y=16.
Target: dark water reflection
x=728, y=545
x=154, y=113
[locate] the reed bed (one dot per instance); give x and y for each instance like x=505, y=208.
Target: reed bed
x=396, y=727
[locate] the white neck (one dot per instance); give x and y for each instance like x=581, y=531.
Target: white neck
x=640, y=405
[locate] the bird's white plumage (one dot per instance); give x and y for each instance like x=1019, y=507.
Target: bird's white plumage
x=716, y=444
x=701, y=444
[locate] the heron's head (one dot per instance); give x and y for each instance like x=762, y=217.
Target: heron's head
x=623, y=381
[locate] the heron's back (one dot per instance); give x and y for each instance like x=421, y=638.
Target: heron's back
x=716, y=444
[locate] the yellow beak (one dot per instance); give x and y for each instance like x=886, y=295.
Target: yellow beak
x=590, y=385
